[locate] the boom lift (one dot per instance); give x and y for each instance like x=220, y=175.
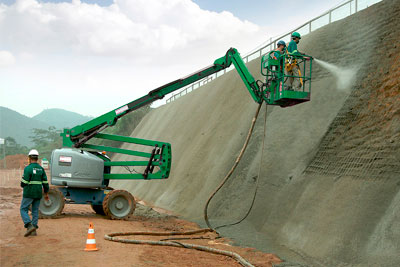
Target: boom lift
x=81, y=171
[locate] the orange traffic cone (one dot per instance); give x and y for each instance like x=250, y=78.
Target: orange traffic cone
x=91, y=241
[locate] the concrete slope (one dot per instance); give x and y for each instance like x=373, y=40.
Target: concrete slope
x=330, y=176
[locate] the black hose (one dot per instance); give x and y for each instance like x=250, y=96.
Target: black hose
x=258, y=178
x=164, y=242
x=233, y=167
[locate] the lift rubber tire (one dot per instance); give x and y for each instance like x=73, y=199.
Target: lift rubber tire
x=119, y=204
x=98, y=209
x=53, y=207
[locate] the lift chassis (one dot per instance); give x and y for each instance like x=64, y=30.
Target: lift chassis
x=81, y=171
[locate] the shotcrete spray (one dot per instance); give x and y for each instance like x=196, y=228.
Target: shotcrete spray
x=344, y=76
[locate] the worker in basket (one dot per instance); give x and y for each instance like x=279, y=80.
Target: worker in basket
x=279, y=51
x=281, y=45
x=292, y=68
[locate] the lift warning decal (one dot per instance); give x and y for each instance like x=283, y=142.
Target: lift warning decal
x=65, y=159
x=121, y=109
x=65, y=175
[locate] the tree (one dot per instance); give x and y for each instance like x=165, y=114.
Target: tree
x=13, y=148
x=46, y=140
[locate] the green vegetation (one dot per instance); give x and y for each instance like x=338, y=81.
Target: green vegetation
x=61, y=118
x=12, y=147
x=46, y=139
x=18, y=126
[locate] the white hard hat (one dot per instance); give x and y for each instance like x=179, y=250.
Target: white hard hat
x=33, y=152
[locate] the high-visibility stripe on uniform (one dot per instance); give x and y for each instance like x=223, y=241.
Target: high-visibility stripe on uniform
x=35, y=182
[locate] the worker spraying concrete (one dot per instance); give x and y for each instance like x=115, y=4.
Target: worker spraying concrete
x=344, y=76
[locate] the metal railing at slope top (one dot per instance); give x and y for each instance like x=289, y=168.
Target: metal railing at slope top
x=337, y=13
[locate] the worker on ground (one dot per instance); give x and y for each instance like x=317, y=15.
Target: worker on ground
x=292, y=68
x=33, y=179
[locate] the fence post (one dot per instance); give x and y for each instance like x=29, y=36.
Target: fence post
x=330, y=16
x=270, y=43
x=356, y=6
x=309, y=27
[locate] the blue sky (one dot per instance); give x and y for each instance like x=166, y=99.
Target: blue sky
x=256, y=11
x=116, y=51
x=267, y=12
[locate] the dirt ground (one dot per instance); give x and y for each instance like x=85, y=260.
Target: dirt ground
x=61, y=241
x=329, y=192
x=18, y=161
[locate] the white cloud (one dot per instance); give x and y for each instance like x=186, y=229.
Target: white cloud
x=6, y=59
x=69, y=52
x=126, y=28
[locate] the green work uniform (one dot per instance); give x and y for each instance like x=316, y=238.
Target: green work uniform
x=277, y=54
x=33, y=180
x=292, y=48
x=294, y=72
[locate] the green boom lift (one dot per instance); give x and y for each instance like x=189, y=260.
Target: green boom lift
x=81, y=171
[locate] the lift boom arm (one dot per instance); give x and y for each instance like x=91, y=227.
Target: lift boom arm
x=80, y=134
x=157, y=163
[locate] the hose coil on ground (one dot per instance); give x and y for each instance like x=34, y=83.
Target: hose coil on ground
x=235, y=256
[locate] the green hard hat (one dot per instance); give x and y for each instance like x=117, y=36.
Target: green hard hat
x=296, y=34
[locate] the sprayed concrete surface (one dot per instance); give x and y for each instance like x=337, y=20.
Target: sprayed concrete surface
x=330, y=176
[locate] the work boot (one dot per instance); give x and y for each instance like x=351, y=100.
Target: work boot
x=34, y=233
x=29, y=230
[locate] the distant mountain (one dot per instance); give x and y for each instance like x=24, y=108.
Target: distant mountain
x=61, y=118
x=18, y=126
